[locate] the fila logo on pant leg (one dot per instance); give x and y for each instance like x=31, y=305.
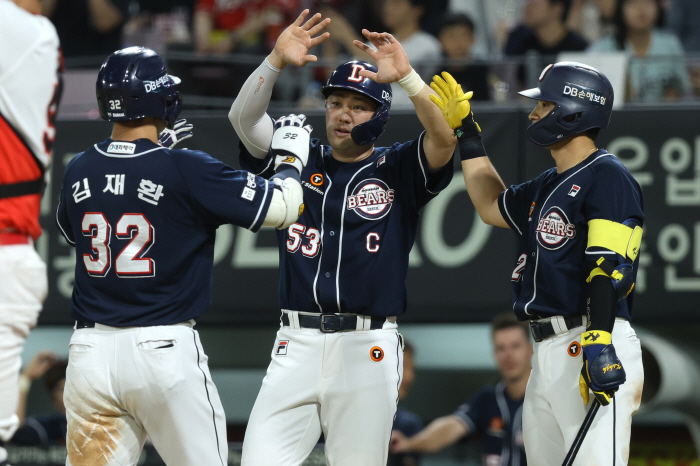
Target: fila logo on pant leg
x=282, y=348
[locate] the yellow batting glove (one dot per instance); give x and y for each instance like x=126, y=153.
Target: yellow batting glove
x=453, y=102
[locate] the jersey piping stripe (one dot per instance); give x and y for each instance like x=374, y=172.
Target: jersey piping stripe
x=420, y=162
x=63, y=232
x=271, y=159
x=213, y=413
x=467, y=421
x=122, y=156
x=505, y=415
x=323, y=224
x=515, y=428
x=399, y=373
x=342, y=228
x=505, y=207
x=542, y=209
x=262, y=204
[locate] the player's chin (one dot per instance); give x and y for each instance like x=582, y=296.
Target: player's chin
x=340, y=140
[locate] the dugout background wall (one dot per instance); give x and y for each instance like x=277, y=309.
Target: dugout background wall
x=460, y=267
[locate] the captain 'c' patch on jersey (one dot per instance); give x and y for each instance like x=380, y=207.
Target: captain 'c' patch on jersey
x=371, y=199
x=376, y=354
x=554, y=229
x=574, y=349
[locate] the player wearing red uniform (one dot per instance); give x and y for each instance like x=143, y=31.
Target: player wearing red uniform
x=29, y=92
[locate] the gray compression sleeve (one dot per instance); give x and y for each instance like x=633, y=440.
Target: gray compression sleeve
x=247, y=115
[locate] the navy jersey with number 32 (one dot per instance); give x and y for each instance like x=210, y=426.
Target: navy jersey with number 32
x=143, y=220
x=348, y=252
x=550, y=215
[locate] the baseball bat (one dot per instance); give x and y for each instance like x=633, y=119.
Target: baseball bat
x=571, y=456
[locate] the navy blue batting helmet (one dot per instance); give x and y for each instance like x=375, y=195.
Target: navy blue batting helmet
x=347, y=77
x=583, y=97
x=133, y=83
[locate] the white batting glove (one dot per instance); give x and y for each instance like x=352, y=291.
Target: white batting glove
x=171, y=137
x=290, y=142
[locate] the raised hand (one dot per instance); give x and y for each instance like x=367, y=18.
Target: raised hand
x=390, y=57
x=453, y=102
x=293, y=45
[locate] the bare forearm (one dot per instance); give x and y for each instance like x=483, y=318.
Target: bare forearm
x=104, y=16
x=439, y=434
x=440, y=140
x=484, y=185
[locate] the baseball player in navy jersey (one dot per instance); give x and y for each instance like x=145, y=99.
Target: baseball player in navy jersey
x=30, y=88
x=143, y=218
x=337, y=362
x=494, y=412
x=579, y=227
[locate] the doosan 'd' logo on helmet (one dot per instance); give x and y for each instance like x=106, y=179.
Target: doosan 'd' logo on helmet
x=554, y=229
x=371, y=199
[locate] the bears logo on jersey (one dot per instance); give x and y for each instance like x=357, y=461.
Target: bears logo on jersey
x=554, y=229
x=371, y=199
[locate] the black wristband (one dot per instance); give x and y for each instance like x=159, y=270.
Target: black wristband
x=469, y=139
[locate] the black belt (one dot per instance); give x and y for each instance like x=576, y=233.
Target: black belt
x=79, y=324
x=330, y=323
x=542, y=330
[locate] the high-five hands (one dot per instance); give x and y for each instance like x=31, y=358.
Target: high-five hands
x=453, y=102
x=293, y=45
x=392, y=62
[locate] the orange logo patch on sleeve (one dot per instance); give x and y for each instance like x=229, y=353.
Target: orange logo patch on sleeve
x=574, y=349
x=376, y=354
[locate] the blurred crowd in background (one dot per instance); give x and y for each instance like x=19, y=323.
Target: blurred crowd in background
x=493, y=47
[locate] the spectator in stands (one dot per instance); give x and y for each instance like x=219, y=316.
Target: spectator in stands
x=406, y=422
x=684, y=20
x=456, y=36
x=593, y=19
x=402, y=18
x=657, y=67
x=45, y=429
x=88, y=27
x=495, y=412
x=248, y=26
x=544, y=30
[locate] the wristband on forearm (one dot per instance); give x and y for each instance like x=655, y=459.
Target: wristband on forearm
x=412, y=83
x=469, y=139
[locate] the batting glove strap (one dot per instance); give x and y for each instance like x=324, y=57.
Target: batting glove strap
x=170, y=137
x=290, y=142
x=469, y=139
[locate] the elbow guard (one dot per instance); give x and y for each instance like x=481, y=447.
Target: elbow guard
x=614, y=247
x=287, y=203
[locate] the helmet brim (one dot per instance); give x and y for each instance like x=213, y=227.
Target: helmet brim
x=537, y=94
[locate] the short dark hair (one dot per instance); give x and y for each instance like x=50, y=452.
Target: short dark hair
x=55, y=374
x=508, y=320
x=593, y=133
x=566, y=4
x=456, y=19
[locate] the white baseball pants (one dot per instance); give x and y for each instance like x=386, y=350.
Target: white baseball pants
x=125, y=383
x=326, y=383
x=553, y=409
x=23, y=288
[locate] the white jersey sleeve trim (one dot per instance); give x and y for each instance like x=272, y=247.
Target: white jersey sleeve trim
x=505, y=207
x=58, y=222
x=247, y=115
x=420, y=163
x=262, y=204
